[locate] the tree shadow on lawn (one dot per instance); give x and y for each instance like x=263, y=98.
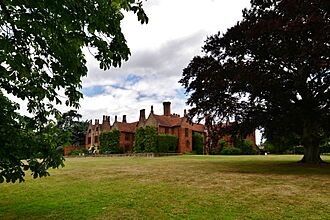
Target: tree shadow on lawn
x=272, y=167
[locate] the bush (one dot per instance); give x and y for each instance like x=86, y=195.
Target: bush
x=145, y=140
x=325, y=148
x=197, y=143
x=109, y=142
x=78, y=152
x=230, y=151
x=245, y=146
x=167, y=143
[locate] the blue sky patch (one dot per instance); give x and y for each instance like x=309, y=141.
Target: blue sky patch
x=133, y=78
x=181, y=93
x=93, y=91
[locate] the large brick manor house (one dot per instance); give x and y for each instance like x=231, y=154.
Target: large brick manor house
x=165, y=124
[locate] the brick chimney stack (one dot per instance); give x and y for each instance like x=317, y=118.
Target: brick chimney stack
x=167, y=108
x=124, y=118
x=115, y=118
x=142, y=115
x=96, y=121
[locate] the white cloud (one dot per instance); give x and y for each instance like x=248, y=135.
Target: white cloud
x=160, y=50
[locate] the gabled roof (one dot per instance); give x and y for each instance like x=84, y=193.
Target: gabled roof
x=125, y=127
x=175, y=121
x=168, y=121
x=198, y=127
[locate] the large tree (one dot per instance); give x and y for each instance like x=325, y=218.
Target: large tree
x=71, y=123
x=41, y=60
x=271, y=70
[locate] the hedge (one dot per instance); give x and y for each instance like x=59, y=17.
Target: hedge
x=167, y=143
x=109, y=142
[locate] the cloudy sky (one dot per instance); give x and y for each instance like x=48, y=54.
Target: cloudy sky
x=160, y=50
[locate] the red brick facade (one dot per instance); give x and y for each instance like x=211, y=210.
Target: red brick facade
x=165, y=124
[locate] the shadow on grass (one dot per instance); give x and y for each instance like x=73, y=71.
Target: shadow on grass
x=269, y=167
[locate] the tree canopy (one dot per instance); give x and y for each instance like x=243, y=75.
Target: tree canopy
x=271, y=70
x=76, y=129
x=41, y=60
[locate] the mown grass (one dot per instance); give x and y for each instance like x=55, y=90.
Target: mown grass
x=183, y=187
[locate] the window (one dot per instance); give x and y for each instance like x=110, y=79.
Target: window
x=97, y=128
x=96, y=139
x=89, y=140
x=187, y=144
x=166, y=130
x=186, y=134
x=89, y=130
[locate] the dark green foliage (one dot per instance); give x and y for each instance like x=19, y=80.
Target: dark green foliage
x=145, y=140
x=82, y=151
x=167, y=143
x=230, y=151
x=197, y=143
x=245, y=146
x=41, y=57
x=70, y=122
x=271, y=70
x=325, y=149
x=109, y=142
x=22, y=147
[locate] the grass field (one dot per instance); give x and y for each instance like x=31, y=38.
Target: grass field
x=180, y=187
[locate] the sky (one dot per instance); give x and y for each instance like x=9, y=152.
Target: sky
x=160, y=51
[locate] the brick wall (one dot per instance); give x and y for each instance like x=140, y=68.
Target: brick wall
x=67, y=150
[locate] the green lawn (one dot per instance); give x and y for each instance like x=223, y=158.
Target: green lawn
x=180, y=187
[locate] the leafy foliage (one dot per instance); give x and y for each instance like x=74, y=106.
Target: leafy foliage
x=82, y=151
x=109, y=142
x=231, y=151
x=197, y=143
x=41, y=60
x=70, y=122
x=245, y=146
x=167, y=143
x=145, y=140
x=22, y=148
x=270, y=70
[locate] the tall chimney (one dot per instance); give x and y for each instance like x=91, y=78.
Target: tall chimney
x=96, y=121
x=184, y=113
x=167, y=108
x=152, y=109
x=142, y=115
x=115, y=118
x=124, y=118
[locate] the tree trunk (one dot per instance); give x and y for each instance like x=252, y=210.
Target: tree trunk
x=312, y=154
x=311, y=143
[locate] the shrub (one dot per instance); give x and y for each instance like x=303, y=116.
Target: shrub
x=167, y=143
x=78, y=152
x=197, y=143
x=245, y=146
x=145, y=140
x=325, y=148
x=109, y=142
x=222, y=143
x=230, y=151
